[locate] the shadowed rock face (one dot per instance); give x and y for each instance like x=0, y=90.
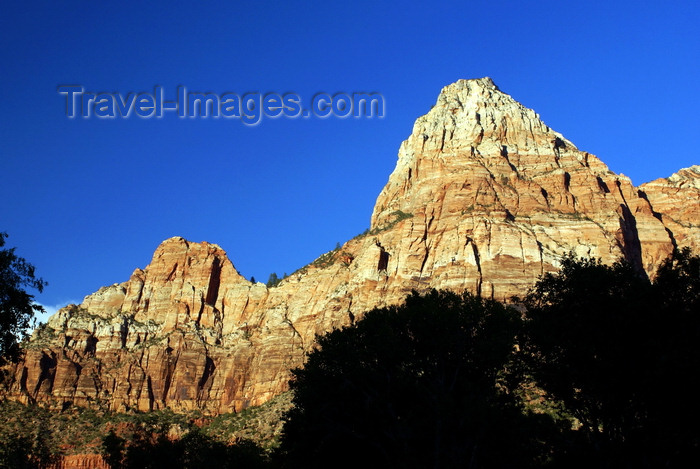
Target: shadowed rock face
x=484, y=197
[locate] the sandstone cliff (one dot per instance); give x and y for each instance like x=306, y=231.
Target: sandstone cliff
x=484, y=197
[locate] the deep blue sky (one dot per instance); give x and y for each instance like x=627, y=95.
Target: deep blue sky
x=88, y=200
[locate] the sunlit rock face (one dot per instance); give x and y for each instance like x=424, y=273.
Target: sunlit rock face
x=676, y=202
x=485, y=197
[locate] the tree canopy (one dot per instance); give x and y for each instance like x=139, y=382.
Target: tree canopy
x=621, y=353
x=426, y=384
x=17, y=307
x=594, y=368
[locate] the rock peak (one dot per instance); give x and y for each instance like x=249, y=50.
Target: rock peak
x=474, y=126
x=175, y=243
x=485, y=197
x=463, y=83
x=689, y=176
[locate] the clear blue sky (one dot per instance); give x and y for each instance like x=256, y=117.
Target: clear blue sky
x=88, y=200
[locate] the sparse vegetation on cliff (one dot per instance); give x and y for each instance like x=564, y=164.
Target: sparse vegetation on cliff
x=325, y=260
x=397, y=215
x=32, y=436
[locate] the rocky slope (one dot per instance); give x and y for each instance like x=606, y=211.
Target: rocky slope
x=676, y=201
x=484, y=197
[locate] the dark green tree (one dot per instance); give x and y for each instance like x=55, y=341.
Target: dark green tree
x=678, y=283
x=273, y=280
x=672, y=404
x=429, y=384
x=17, y=307
x=619, y=352
x=113, y=450
x=14, y=453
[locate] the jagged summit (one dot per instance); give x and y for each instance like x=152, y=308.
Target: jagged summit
x=685, y=177
x=480, y=106
x=676, y=201
x=485, y=197
x=474, y=127
x=485, y=82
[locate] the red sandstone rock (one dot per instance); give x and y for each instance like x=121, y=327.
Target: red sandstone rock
x=484, y=197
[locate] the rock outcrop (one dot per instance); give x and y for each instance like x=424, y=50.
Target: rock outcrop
x=676, y=202
x=484, y=197
x=80, y=461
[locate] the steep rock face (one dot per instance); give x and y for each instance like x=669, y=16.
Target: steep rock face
x=676, y=202
x=484, y=197
x=504, y=195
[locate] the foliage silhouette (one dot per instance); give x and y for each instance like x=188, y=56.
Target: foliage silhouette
x=618, y=352
x=145, y=449
x=17, y=307
x=428, y=384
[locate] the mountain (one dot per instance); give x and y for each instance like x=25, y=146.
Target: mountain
x=485, y=197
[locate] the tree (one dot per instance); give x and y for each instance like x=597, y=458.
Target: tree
x=26, y=439
x=618, y=351
x=17, y=307
x=426, y=384
x=678, y=283
x=113, y=450
x=672, y=404
x=273, y=280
